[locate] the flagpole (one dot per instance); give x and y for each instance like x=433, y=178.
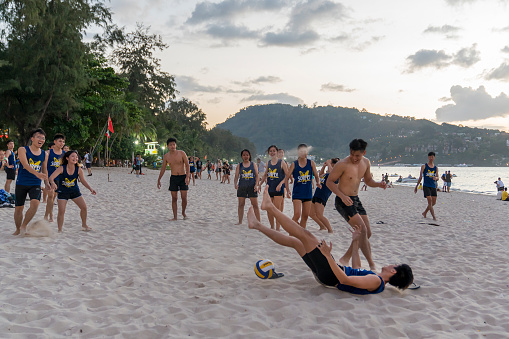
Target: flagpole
x=108, y=157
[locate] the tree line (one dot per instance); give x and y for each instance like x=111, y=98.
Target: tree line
x=51, y=78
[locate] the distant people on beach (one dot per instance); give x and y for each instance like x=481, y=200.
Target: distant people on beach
x=505, y=195
x=500, y=185
x=349, y=171
x=88, y=163
x=448, y=181
x=246, y=183
x=10, y=166
x=192, y=169
x=219, y=167
x=429, y=172
x=180, y=176
x=210, y=168
x=261, y=166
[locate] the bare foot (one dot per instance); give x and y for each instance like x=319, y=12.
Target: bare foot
x=330, y=231
x=50, y=219
x=372, y=268
x=252, y=222
x=266, y=202
x=59, y=230
x=174, y=219
x=238, y=223
x=343, y=261
x=86, y=228
x=424, y=214
x=16, y=233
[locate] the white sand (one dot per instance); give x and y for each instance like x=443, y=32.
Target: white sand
x=139, y=275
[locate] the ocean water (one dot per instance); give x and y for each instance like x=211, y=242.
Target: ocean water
x=478, y=180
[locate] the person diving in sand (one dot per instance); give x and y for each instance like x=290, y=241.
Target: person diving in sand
x=317, y=256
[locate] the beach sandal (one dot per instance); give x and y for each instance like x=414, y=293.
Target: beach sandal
x=380, y=222
x=414, y=286
x=277, y=275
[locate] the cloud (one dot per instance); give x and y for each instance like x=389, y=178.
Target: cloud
x=448, y=30
x=503, y=29
x=189, y=84
x=499, y=73
x=505, y=49
x=470, y=104
x=332, y=87
x=260, y=80
x=459, y=2
x=229, y=9
x=299, y=29
x=227, y=31
x=424, y=58
x=283, y=98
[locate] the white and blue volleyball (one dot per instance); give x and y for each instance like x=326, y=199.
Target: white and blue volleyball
x=264, y=269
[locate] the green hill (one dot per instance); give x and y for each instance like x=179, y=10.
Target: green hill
x=391, y=138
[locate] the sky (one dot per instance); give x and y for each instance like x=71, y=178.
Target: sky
x=442, y=60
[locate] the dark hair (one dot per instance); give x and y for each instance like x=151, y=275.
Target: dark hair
x=35, y=131
x=8, y=141
x=358, y=145
x=403, y=277
x=59, y=136
x=302, y=145
x=51, y=144
x=431, y=154
x=65, y=158
x=171, y=140
x=244, y=150
x=280, y=150
x=268, y=149
x=334, y=160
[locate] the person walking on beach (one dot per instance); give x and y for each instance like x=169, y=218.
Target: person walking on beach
x=10, y=167
x=247, y=185
x=32, y=170
x=303, y=171
x=88, y=163
x=261, y=166
x=219, y=167
x=210, y=168
x=430, y=174
x=500, y=185
x=137, y=165
x=180, y=176
x=226, y=172
x=276, y=178
x=448, y=181
x=192, y=169
x=54, y=159
x=317, y=256
x=67, y=174
x=199, y=166
x=349, y=171
x=321, y=197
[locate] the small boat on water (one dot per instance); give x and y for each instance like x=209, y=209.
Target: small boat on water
x=408, y=180
x=394, y=175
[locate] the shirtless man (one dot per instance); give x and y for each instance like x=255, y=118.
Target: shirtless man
x=317, y=255
x=349, y=171
x=180, y=175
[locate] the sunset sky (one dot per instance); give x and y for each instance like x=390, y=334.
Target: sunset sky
x=443, y=60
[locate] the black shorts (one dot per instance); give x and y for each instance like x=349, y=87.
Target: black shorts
x=21, y=191
x=192, y=170
x=11, y=173
x=318, y=263
x=429, y=191
x=303, y=200
x=218, y=170
x=277, y=194
x=349, y=211
x=319, y=201
x=137, y=168
x=67, y=196
x=246, y=192
x=178, y=182
x=88, y=164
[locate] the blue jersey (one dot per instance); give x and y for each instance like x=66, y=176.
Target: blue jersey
x=68, y=183
x=191, y=166
x=275, y=175
x=302, y=185
x=12, y=159
x=247, y=175
x=428, y=175
x=54, y=161
x=25, y=178
x=359, y=272
x=324, y=192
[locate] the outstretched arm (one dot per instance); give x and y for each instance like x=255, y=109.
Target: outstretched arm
x=420, y=178
x=84, y=182
x=368, y=178
x=315, y=173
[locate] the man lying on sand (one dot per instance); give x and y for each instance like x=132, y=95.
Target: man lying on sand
x=317, y=255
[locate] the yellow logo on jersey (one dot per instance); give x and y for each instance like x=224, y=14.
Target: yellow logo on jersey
x=247, y=175
x=35, y=165
x=55, y=162
x=273, y=174
x=430, y=173
x=69, y=183
x=304, y=177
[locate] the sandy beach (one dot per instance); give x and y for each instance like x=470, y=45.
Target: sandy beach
x=138, y=275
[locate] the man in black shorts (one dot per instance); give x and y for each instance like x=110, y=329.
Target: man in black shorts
x=317, y=255
x=349, y=171
x=429, y=186
x=10, y=167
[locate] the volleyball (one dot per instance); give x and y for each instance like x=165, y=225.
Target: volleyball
x=264, y=269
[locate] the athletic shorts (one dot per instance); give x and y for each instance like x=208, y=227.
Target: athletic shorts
x=246, y=192
x=88, y=164
x=448, y=184
x=137, y=168
x=303, y=200
x=318, y=263
x=192, y=170
x=218, y=170
x=67, y=196
x=319, y=201
x=11, y=173
x=276, y=193
x=349, y=211
x=21, y=192
x=429, y=191
x=178, y=182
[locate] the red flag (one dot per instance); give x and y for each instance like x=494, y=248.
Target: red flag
x=107, y=134
x=205, y=157
x=110, y=125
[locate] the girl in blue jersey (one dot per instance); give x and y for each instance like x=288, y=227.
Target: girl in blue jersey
x=247, y=185
x=321, y=196
x=192, y=168
x=54, y=159
x=303, y=171
x=275, y=176
x=68, y=174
